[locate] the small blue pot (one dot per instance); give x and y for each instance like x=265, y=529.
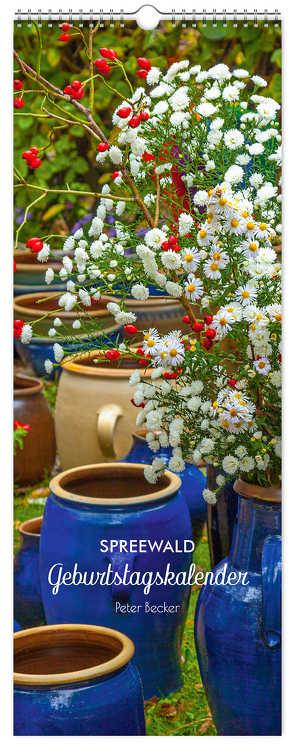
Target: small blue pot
x=193, y=481
x=89, y=507
x=76, y=680
x=28, y=603
x=238, y=623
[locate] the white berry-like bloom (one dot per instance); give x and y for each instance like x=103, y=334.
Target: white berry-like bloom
x=51, y=332
x=26, y=334
x=233, y=139
x=67, y=301
x=135, y=378
x=96, y=228
x=179, y=100
x=256, y=148
x=231, y=94
x=185, y=223
x=85, y=297
x=150, y=475
x=206, y=109
x=176, y=464
x=139, y=292
x=138, y=146
x=219, y=72
x=78, y=234
x=153, y=76
x=259, y=81
x=241, y=73
x=234, y=174
x=194, y=403
x=213, y=93
x=48, y=365
x=265, y=193
x=160, y=108
x=44, y=253
x=58, y=352
x=208, y=496
x=49, y=276
x=171, y=259
x=255, y=180
x=69, y=244
x=57, y=322
x=76, y=324
x=230, y=464
x=220, y=480
x=116, y=155
x=120, y=208
x=68, y=264
x=155, y=237
x=154, y=418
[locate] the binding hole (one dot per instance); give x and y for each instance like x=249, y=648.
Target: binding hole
x=111, y=18
x=29, y=18
x=101, y=21
x=71, y=17
x=265, y=18
x=81, y=18
x=39, y=17
x=245, y=19
x=173, y=17
x=235, y=18
x=214, y=19
x=50, y=19
x=204, y=18
x=224, y=21
x=60, y=18
x=255, y=18
x=194, y=18
x=183, y=21
x=19, y=17
x=91, y=19
x=122, y=17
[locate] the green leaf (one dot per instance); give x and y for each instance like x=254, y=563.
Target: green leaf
x=25, y=122
x=52, y=211
x=277, y=58
x=53, y=56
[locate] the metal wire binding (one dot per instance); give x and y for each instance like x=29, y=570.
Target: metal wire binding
x=224, y=21
x=122, y=17
x=214, y=19
x=194, y=18
x=276, y=17
x=111, y=12
x=39, y=17
x=265, y=18
x=50, y=18
x=183, y=21
x=101, y=21
x=235, y=18
x=204, y=17
x=19, y=17
x=60, y=18
x=91, y=19
x=245, y=19
x=29, y=18
x=80, y=18
x=173, y=17
x=255, y=18
x=71, y=17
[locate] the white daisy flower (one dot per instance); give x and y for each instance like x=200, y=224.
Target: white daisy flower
x=234, y=174
x=231, y=94
x=230, y=464
x=233, y=139
x=190, y=259
x=211, y=269
x=262, y=366
x=250, y=249
x=222, y=322
x=205, y=235
x=155, y=237
x=234, y=224
x=193, y=288
x=246, y=295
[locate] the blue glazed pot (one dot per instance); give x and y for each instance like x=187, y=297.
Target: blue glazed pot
x=238, y=626
x=113, y=502
x=41, y=349
x=28, y=603
x=16, y=626
x=76, y=680
x=192, y=479
x=221, y=516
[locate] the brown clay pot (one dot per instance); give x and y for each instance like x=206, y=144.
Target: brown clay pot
x=27, y=308
x=38, y=452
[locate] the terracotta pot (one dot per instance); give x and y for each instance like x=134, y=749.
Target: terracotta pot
x=94, y=416
x=28, y=603
x=28, y=308
x=29, y=276
x=38, y=452
x=76, y=680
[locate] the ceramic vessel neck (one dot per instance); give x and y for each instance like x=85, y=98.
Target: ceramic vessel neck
x=257, y=519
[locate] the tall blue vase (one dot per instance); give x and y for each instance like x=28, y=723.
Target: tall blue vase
x=193, y=481
x=28, y=603
x=221, y=516
x=103, y=518
x=238, y=625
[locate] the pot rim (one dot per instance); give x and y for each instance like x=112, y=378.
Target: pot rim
x=120, y=467
x=82, y=337
x=26, y=532
x=34, y=389
x=18, y=308
x=247, y=490
x=105, y=668
x=70, y=364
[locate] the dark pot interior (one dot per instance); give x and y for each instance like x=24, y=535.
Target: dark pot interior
x=21, y=382
x=116, y=482
x=32, y=526
x=63, y=651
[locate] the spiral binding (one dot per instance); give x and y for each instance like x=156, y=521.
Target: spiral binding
x=184, y=16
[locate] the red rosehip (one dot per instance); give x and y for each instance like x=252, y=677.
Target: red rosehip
x=232, y=382
x=140, y=351
x=114, y=175
x=112, y=354
x=36, y=247
x=124, y=112
x=18, y=324
x=102, y=66
x=14, y=266
x=167, y=375
x=198, y=326
x=134, y=122
x=137, y=405
x=144, y=361
x=78, y=94
x=18, y=103
x=76, y=85
x=208, y=320
x=34, y=163
x=32, y=241
x=147, y=157
x=176, y=248
x=108, y=53
x=17, y=84
x=174, y=227
x=27, y=155
x=144, y=63
x=166, y=245
x=186, y=319
x=188, y=346
x=208, y=343
x=34, y=150
x=65, y=26
x=142, y=73
x=174, y=376
x=129, y=329
x=26, y=427
x=211, y=333
x=68, y=90
x=64, y=37
x=172, y=239
x=101, y=147
x=144, y=117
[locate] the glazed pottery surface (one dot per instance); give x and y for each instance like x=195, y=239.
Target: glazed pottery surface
x=28, y=603
x=192, y=479
x=94, y=416
x=221, y=516
x=238, y=626
x=38, y=453
x=29, y=276
x=87, y=509
x=76, y=680
x=29, y=308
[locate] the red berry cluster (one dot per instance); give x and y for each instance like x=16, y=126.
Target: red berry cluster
x=145, y=67
x=35, y=244
x=31, y=157
x=198, y=326
x=17, y=84
x=113, y=354
x=64, y=37
x=171, y=244
x=17, y=328
x=101, y=64
x=75, y=90
x=18, y=103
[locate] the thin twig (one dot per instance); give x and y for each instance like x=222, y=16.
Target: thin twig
x=157, y=201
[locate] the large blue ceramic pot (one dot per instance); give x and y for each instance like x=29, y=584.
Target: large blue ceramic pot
x=107, y=534
x=192, y=479
x=238, y=622
x=221, y=516
x=28, y=603
x=76, y=680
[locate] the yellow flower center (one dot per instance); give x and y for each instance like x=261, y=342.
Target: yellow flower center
x=253, y=327
x=146, y=337
x=150, y=343
x=222, y=321
x=203, y=234
x=278, y=317
x=244, y=214
x=210, y=216
x=234, y=223
x=225, y=424
x=242, y=402
x=273, y=336
x=214, y=266
x=261, y=365
x=214, y=405
x=263, y=226
x=233, y=413
x=216, y=256
x=252, y=247
x=190, y=288
x=238, y=425
x=230, y=310
x=210, y=191
x=189, y=257
x=258, y=317
x=173, y=352
x=250, y=225
x=245, y=294
x=163, y=355
x=222, y=202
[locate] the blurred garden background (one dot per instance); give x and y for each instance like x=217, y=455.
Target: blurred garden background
x=69, y=156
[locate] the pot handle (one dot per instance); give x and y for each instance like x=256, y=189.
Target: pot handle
x=106, y=423
x=119, y=561
x=271, y=590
